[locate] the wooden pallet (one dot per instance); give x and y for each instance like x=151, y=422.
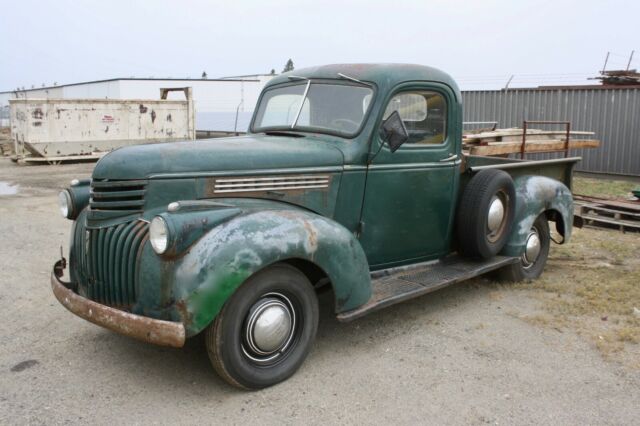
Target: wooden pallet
x=624, y=216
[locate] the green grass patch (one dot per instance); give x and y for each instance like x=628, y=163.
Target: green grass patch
x=603, y=188
x=592, y=285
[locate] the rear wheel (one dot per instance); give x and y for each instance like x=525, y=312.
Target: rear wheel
x=534, y=257
x=265, y=330
x=485, y=214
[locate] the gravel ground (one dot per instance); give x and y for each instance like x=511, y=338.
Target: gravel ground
x=462, y=355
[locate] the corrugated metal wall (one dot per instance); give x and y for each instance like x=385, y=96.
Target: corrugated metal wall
x=613, y=114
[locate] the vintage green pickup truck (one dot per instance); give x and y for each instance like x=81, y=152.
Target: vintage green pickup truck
x=351, y=178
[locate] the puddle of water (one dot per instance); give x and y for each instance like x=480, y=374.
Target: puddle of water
x=6, y=189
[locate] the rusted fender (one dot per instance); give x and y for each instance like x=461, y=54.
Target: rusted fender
x=228, y=254
x=535, y=195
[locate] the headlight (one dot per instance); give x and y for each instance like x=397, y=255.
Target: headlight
x=65, y=203
x=159, y=235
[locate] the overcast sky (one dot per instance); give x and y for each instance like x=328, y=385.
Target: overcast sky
x=480, y=43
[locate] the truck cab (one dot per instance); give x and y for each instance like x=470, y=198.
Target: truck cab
x=351, y=178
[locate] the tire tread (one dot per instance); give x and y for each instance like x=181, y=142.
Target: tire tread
x=224, y=365
x=470, y=238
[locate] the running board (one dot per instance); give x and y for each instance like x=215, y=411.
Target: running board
x=409, y=283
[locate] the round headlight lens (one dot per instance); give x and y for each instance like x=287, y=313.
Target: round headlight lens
x=159, y=235
x=65, y=204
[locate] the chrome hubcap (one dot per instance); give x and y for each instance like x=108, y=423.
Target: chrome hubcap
x=496, y=213
x=532, y=248
x=496, y=216
x=268, y=328
x=271, y=327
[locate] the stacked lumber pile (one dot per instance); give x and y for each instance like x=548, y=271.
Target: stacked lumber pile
x=509, y=141
x=619, y=77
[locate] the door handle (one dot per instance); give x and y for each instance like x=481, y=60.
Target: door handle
x=450, y=158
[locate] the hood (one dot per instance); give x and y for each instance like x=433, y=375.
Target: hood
x=251, y=152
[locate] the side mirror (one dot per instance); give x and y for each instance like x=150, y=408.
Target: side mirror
x=395, y=134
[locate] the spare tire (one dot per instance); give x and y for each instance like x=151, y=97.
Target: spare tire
x=485, y=214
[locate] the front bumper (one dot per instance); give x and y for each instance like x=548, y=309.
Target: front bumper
x=159, y=332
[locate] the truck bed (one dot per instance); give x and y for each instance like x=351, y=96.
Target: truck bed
x=560, y=169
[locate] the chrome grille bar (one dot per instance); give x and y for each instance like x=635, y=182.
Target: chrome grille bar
x=124, y=195
x=276, y=183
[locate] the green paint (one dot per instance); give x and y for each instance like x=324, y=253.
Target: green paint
x=534, y=196
x=222, y=259
x=378, y=209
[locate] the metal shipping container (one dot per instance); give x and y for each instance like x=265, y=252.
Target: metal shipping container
x=61, y=129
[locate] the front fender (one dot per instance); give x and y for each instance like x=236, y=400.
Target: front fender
x=534, y=196
x=227, y=255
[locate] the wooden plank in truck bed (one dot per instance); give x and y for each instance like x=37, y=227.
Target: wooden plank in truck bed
x=499, y=148
x=518, y=132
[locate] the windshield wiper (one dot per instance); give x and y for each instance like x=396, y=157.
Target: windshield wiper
x=304, y=97
x=353, y=79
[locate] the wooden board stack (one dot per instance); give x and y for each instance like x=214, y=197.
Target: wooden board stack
x=509, y=141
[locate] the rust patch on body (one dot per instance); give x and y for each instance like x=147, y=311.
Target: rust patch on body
x=183, y=310
x=312, y=235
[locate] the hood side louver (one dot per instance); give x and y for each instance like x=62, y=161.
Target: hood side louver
x=271, y=183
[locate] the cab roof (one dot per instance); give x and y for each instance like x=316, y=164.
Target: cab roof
x=385, y=76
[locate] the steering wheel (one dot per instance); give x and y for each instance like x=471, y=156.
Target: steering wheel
x=346, y=124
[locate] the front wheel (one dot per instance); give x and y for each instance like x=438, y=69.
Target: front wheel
x=265, y=329
x=534, y=257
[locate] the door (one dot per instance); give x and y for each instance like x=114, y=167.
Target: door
x=408, y=204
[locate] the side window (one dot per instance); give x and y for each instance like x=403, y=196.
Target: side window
x=424, y=114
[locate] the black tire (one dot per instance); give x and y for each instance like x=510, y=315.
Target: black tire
x=475, y=239
x=527, y=269
x=230, y=338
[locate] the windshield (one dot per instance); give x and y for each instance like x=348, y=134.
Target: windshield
x=330, y=108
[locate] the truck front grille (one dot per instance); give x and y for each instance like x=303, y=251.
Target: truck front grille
x=107, y=261
x=118, y=195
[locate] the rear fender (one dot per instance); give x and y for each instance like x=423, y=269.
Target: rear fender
x=227, y=255
x=536, y=195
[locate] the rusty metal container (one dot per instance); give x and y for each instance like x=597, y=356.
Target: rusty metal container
x=53, y=130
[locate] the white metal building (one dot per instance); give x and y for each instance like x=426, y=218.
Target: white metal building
x=216, y=100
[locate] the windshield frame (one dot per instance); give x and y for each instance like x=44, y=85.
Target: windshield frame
x=309, y=129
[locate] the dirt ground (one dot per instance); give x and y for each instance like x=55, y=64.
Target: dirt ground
x=563, y=350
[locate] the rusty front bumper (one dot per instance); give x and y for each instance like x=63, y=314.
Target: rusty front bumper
x=159, y=332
